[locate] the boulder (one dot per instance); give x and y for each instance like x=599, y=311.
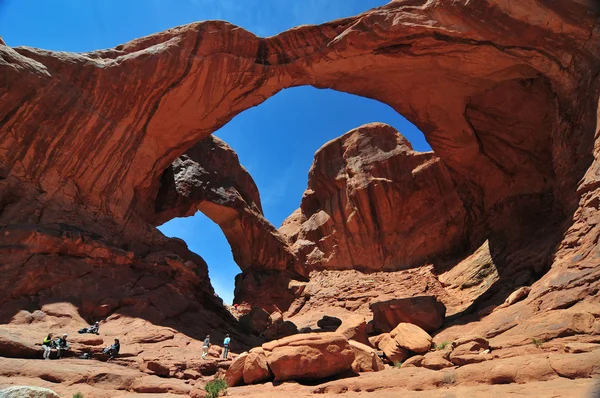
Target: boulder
x=354, y=328
x=436, y=360
x=411, y=337
x=278, y=328
x=12, y=346
x=309, y=356
x=365, y=358
x=197, y=393
x=235, y=374
x=518, y=295
x=155, y=367
x=27, y=392
x=191, y=374
x=414, y=361
x=374, y=340
x=392, y=351
x=329, y=323
x=255, y=322
x=424, y=311
x=470, y=349
x=432, y=360
x=256, y=369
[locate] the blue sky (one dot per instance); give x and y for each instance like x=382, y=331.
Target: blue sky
x=275, y=141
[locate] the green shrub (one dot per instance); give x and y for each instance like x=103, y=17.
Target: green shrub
x=537, y=343
x=442, y=345
x=213, y=388
x=78, y=395
x=398, y=364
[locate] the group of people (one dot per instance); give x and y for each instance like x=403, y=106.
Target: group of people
x=61, y=344
x=207, y=345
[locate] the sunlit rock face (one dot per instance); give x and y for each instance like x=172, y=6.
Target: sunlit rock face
x=506, y=94
x=373, y=204
x=209, y=177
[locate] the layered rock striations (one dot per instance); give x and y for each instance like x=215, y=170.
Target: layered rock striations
x=209, y=178
x=506, y=94
x=374, y=204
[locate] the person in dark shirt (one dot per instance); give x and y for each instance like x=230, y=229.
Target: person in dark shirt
x=113, y=350
x=206, y=346
x=92, y=329
x=61, y=345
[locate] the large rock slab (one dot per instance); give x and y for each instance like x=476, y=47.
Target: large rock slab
x=27, y=392
x=392, y=351
x=424, y=311
x=309, y=356
x=13, y=346
x=411, y=337
x=365, y=358
x=354, y=328
x=256, y=369
x=235, y=374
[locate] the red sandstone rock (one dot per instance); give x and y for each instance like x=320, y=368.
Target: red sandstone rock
x=208, y=177
x=256, y=369
x=411, y=337
x=360, y=184
x=365, y=358
x=392, y=351
x=468, y=350
x=510, y=109
x=310, y=356
x=354, y=328
x=235, y=373
x=424, y=311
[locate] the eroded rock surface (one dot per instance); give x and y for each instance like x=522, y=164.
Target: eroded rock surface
x=505, y=93
x=373, y=204
x=209, y=177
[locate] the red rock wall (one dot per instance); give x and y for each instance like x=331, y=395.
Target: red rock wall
x=374, y=204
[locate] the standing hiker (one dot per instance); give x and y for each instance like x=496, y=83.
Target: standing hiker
x=206, y=346
x=226, y=346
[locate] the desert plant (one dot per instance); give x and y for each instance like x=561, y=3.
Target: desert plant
x=449, y=378
x=78, y=395
x=442, y=345
x=537, y=343
x=213, y=388
x=398, y=364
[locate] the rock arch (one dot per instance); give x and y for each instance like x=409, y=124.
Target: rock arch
x=505, y=99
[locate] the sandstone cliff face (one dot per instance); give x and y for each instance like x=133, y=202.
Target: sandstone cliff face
x=505, y=93
x=373, y=204
x=209, y=178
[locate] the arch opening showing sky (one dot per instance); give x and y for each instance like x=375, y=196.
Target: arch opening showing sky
x=275, y=141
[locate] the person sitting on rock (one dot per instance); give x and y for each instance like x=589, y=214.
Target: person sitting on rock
x=47, y=345
x=92, y=329
x=113, y=350
x=206, y=346
x=226, y=346
x=61, y=345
